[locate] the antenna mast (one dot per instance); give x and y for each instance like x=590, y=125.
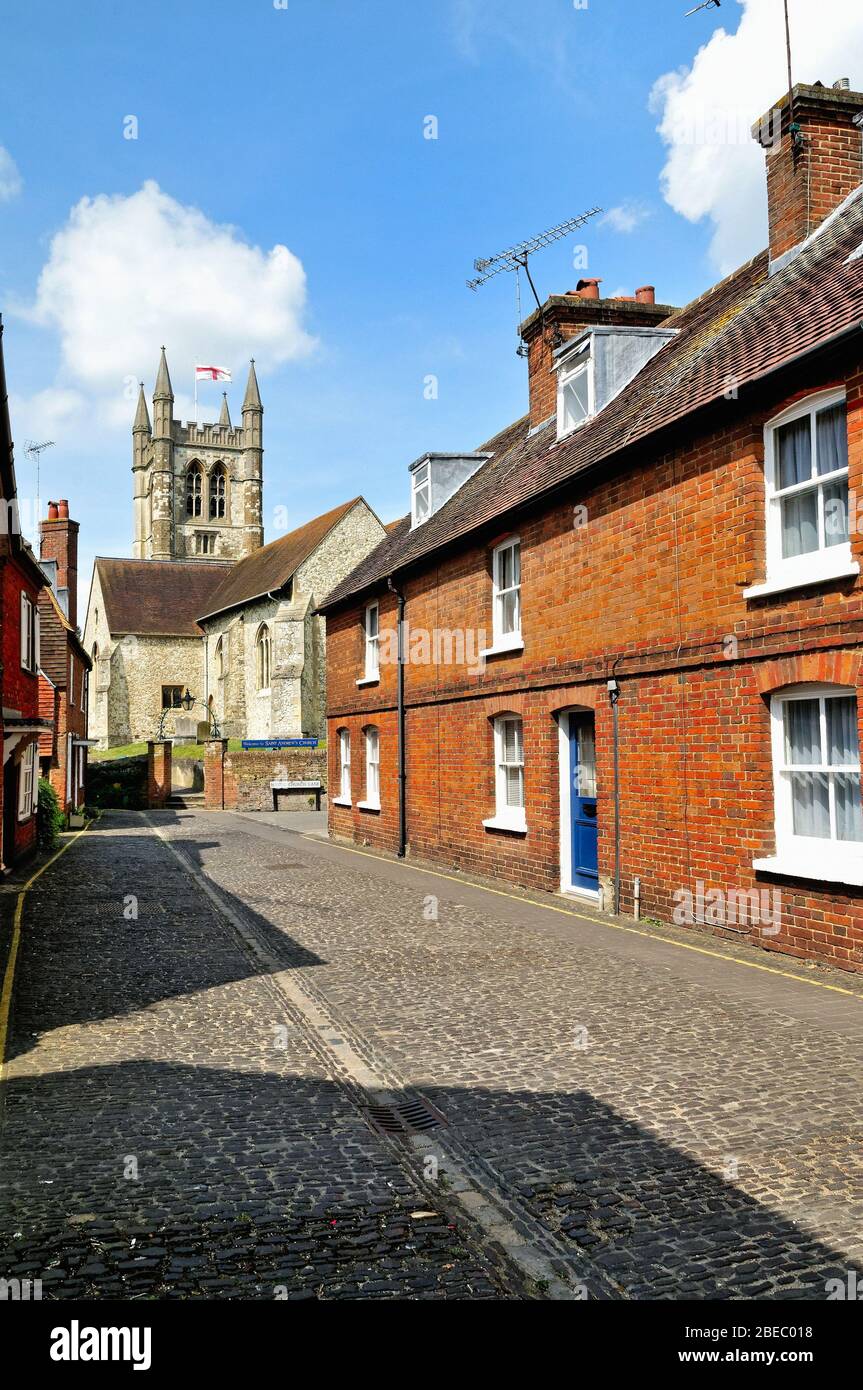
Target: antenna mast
x=34, y=451
x=516, y=258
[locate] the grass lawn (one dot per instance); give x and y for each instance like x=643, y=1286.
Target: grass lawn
x=181, y=750
x=131, y=750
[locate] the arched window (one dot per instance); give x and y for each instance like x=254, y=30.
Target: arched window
x=219, y=659
x=194, y=489
x=218, y=493
x=373, y=769
x=263, y=655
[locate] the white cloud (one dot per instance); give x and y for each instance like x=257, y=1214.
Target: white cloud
x=625, y=217
x=714, y=168
x=126, y=274
x=10, y=179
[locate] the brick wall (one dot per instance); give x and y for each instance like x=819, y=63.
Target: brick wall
x=651, y=586
x=808, y=178
x=159, y=757
x=240, y=781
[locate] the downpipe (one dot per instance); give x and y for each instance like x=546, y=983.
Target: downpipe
x=614, y=695
x=400, y=700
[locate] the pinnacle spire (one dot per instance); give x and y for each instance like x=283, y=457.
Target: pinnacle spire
x=225, y=414
x=163, y=389
x=252, y=398
x=142, y=415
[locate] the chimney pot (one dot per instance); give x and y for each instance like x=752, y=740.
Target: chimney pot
x=63, y=509
x=53, y=513
x=588, y=289
x=646, y=294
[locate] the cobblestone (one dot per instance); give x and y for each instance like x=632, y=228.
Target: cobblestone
x=662, y=1126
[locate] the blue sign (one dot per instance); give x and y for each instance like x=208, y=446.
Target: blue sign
x=280, y=743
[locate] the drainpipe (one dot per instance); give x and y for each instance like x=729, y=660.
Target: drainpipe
x=614, y=695
x=400, y=620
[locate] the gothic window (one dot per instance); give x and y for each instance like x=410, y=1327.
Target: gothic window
x=205, y=542
x=218, y=493
x=194, y=489
x=263, y=653
x=219, y=660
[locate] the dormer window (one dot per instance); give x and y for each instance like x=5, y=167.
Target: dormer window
x=597, y=365
x=421, y=494
x=575, y=392
x=436, y=477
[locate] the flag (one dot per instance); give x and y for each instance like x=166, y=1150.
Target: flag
x=212, y=374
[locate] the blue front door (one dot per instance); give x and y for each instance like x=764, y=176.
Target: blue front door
x=582, y=783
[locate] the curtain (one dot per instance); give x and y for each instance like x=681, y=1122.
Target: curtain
x=831, y=435
x=842, y=745
x=794, y=452
x=836, y=513
x=800, y=524
x=810, y=802
x=802, y=733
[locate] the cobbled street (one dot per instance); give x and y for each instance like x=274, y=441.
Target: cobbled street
x=246, y=1062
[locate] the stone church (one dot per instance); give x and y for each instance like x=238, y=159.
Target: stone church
x=204, y=609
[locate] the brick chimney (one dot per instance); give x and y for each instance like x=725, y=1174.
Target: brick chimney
x=563, y=316
x=59, y=541
x=814, y=156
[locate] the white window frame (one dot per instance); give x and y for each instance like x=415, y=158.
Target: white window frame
x=581, y=365
x=512, y=818
x=504, y=641
x=28, y=787
x=421, y=483
x=372, y=653
x=806, y=856
x=30, y=634
x=818, y=566
x=372, y=738
x=344, y=796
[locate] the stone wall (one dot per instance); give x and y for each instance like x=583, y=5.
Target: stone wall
x=241, y=781
x=294, y=702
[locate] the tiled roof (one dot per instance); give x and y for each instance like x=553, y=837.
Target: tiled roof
x=56, y=636
x=157, y=598
x=265, y=571
x=745, y=327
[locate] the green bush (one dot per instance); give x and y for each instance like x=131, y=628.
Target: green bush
x=49, y=817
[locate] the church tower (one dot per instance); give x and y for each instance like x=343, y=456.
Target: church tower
x=197, y=488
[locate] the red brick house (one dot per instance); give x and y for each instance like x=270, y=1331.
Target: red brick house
x=21, y=583
x=65, y=666
x=633, y=621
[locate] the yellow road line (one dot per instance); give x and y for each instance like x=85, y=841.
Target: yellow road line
x=9, y=976
x=594, y=921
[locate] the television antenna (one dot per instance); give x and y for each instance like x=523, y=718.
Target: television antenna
x=34, y=451
x=516, y=258
x=705, y=5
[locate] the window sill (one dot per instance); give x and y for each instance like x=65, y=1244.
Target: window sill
x=369, y=680
x=513, y=825
x=341, y=801
x=812, y=864
x=368, y=806
x=512, y=643
x=818, y=574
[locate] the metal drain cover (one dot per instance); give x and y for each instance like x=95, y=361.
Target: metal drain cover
x=413, y=1116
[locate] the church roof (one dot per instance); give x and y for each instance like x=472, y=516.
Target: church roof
x=266, y=570
x=157, y=598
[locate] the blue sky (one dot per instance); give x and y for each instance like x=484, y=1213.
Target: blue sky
x=303, y=127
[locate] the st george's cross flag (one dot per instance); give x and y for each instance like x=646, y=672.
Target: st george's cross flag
x=212, y=374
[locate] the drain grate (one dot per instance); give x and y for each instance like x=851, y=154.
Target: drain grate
x=410, y=1117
